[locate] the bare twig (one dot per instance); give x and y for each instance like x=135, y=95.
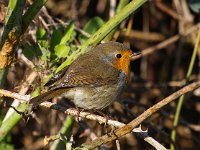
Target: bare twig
x=182, y=8
x=112, y=8
x=76, y=28
x=25, y=60
x=165, y=43
x=24, y=88
x=140, y=35
x=168, y=10
x=19, y=97
x=117, y=144
x=181, y=99
x=130, y=126
x=87, y=115
x=124, y=129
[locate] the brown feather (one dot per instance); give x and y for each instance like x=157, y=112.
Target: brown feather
x=92, y=69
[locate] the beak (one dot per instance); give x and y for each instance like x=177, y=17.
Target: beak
x=135, y=53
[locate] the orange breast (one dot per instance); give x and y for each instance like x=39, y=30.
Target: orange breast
x=123, y=63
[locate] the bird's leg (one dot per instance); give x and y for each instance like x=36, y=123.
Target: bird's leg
x=78, y=113
x=104, y=115
x=106, y=122
x=113, y=128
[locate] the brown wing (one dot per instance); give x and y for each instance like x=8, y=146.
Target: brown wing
x=83, y=72
x=57, y=77
x=80, y=75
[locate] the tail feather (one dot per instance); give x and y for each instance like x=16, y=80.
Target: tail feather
x=46, y=96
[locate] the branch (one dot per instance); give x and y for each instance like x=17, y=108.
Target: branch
x=181, y=99
x=131, y=125
x=166, y=42
x=86, y=115
x=23, y=90
x=124, y=129
x=168, y=10
x=21, y=98
x=105, y=30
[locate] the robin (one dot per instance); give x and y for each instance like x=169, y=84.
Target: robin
x=95, y=79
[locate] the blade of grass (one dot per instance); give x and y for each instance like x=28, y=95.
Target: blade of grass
x=112, y=23
x=122, y=4
x=181, y=99
x=65, y=134
x=105, y=30
x=59, y=144
x=14, y=19
x=31, y=13
x=12, y=28
x=11, y=122
x=93, y=40
x=14, y=11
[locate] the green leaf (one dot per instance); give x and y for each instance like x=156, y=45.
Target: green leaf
x=55, y=39
x=43, y=43
x=91, y=27
x=42, y=40
x=41, y=34
x=37, y=51
x=62, y=50
x=29, y=51
x=73, y=47
x=67, y=34
x=45, y=53
x=6, y=146
x=36, y=92
x=195, y=5
x=73, y=35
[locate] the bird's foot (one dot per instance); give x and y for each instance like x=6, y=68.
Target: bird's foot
x=104, y=115
x=78, y=118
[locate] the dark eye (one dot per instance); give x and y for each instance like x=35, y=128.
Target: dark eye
x=119, y=55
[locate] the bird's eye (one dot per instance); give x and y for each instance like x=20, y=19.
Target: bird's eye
x=118, y=55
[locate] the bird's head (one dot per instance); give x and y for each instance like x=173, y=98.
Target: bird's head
x=116, y=54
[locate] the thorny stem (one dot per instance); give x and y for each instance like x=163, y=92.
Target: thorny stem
x=129, y=127
x=124, y=128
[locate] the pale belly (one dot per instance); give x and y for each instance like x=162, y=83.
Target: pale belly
x=93, y=97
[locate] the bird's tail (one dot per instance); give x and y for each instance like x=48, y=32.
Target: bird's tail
x=46, y=96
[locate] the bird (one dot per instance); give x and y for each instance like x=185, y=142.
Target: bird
x=94, y=80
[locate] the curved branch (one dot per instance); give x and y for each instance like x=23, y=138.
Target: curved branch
x=131, y=125
x=124, y=129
